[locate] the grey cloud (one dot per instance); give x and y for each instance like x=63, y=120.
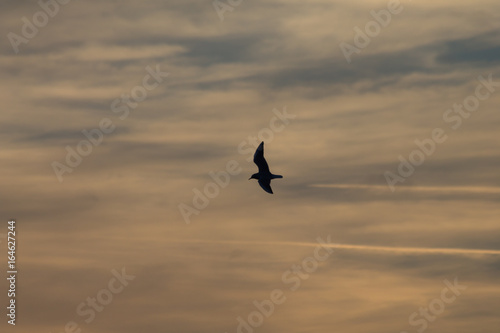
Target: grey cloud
x=482, y=50
x=167, y=151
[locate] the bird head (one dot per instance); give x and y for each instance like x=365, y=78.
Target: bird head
x=254, y=176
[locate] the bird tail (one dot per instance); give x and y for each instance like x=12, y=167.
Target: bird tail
x=276, y=176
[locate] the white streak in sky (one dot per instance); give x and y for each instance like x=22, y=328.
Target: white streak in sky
x=395, y=250
x=444, y=189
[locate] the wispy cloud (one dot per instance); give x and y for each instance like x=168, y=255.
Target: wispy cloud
x=120, y=209
x=395, y=250
x=438, y=189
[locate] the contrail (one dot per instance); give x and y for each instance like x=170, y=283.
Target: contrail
x=435, y=250
x=396, y=250
x=454, y=189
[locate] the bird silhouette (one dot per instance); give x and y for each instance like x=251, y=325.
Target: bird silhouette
x=264, y=176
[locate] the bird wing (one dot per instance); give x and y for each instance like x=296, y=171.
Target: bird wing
x=266, y=185
x=258, y=158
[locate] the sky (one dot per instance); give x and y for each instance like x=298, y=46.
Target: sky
x=128, y=130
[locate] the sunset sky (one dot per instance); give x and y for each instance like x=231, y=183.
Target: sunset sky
x=128, y=130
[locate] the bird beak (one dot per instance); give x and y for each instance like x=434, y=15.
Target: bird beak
x=249, y=178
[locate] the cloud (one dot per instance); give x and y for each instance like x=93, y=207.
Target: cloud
x=480, y=50
x=120, y=206
x=396, y=250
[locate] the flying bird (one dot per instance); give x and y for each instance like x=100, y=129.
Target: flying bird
x=264, y=176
